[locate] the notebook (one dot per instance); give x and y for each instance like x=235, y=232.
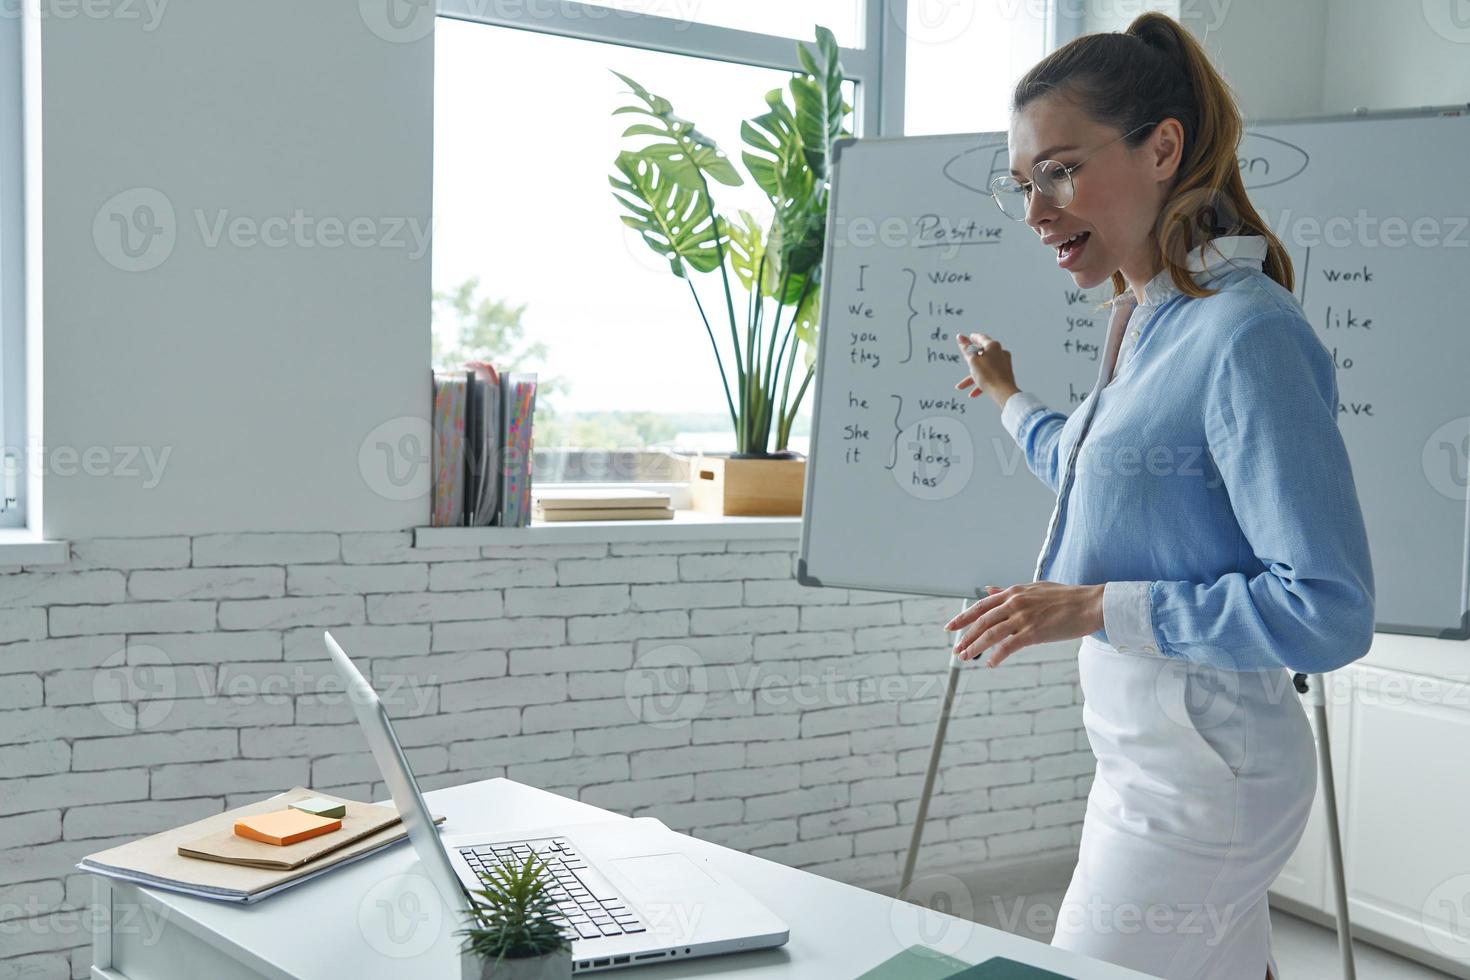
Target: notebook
x=361, y=820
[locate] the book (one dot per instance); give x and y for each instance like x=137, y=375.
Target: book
x=485, y=444
x=606, y=514
x=447, y=450
x=519, y=395
x=482, y=422
x=916, y=963
x=575, y=498
x=923, y=963
x=1001, y=968
x=281, y=827
x=472, y=449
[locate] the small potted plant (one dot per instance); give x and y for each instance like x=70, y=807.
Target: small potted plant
x=515, y=931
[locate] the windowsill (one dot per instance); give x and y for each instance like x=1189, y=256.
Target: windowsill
x=686, y=525
x=22, y=546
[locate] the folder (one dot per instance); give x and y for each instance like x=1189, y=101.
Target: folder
x=156, y=862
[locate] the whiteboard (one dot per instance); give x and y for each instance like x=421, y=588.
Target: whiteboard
x=914, y=487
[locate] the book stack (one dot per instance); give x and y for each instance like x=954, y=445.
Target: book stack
x=603, y=505
x=482, y=447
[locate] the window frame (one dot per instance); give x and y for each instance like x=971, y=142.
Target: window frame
x=14, y=479
x=877, y=67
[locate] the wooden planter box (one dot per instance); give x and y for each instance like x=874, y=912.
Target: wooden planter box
x=746, y=487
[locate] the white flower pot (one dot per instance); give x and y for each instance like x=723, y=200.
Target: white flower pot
x=550, y=966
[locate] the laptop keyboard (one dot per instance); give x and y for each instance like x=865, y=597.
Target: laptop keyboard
x=592, y=908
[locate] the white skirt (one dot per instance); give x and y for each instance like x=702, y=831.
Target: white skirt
x=1203, y=784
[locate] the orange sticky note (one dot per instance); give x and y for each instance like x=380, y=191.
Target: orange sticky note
x=285, y=826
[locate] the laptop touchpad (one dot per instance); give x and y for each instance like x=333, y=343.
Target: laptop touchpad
x=654, y=873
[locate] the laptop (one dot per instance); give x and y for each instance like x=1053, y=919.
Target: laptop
x=632, y=890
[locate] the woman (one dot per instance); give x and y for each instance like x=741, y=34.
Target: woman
x=1207, y=535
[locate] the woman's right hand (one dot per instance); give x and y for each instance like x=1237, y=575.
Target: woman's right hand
x=990, y=368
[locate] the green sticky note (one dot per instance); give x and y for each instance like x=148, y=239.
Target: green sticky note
x=321, y=807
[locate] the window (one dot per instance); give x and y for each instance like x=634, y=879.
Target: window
x=964, y=59
x=782, y=18
x=12, y=274
x=533, y=266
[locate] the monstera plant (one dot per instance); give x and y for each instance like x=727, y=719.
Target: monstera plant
x=664, y=187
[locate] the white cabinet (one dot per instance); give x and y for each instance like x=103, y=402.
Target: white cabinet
x=1400, y=727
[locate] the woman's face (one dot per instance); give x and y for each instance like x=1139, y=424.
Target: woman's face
x=1119, y=191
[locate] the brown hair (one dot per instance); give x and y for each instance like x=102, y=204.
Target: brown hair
x=1153, y=71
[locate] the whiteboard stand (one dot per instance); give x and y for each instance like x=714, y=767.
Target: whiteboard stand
x=934, y=750
x=1317, y=698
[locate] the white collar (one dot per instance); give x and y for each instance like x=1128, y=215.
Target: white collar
x=1232, y=251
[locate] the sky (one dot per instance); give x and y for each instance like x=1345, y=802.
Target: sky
x=524, y=141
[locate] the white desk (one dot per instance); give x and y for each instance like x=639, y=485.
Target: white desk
x=379, y=918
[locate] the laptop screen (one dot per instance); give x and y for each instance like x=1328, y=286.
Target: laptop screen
x=400, y=780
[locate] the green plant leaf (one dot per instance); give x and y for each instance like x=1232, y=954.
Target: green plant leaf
x=686, y=151
x=796, y=242
x=685, y=163
x=747, y=246
x=775, y=154
x=788, y=151
x=656, y=105
x=672, y=218
x=806, y=326
x=820, y=108
x=514, y=914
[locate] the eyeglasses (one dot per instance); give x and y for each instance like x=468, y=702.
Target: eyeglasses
x=1051, y=180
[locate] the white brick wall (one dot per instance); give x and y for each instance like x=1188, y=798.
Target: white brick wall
x=150, y=682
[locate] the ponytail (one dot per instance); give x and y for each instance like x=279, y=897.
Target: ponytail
x=1156, y=70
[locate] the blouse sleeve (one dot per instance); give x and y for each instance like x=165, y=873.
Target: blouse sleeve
x=1037, y=430
x=1271, y=426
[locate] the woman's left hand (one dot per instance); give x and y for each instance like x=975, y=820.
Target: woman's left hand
x=1037, y=612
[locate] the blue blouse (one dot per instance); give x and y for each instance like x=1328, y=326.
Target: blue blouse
x=1206, y=482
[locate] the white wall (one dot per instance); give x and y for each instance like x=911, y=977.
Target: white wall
x=1392, y=54
x=1270, y=53
x=1115, y=15
x=1311, y=57
x=258, y=369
